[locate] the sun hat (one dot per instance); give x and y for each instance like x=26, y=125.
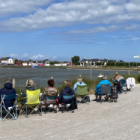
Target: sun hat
x=80, y=78
x=100, y=76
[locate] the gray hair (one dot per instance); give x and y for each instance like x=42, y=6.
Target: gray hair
x=8, y=81
x=104, y=77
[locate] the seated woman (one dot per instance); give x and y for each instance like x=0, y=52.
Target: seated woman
x=51, y=91
x=66, y=91
x=116, y=80
x=29, y=86
x=8, y=89
x=98, y=87
x=79, y=82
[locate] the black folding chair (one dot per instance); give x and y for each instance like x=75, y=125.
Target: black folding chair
x=105, y=91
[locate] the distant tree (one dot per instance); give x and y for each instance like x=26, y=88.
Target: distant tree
x=75, y=60
x=21, y=62
x=108, y=64
x=16, y=61
x=92, y=63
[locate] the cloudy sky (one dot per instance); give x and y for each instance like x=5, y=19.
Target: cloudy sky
x=60, y=29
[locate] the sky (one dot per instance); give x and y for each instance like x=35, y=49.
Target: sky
x=61, y=29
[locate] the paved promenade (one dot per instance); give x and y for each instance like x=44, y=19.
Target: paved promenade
x=96, y=121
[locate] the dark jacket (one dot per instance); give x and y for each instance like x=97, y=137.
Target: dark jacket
x=8, y=89
x=32, y=88
x=65, y=91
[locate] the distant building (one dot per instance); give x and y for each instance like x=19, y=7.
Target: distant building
x=46, y=62
x=41, y=63
x=7, y=60
x=85, y=62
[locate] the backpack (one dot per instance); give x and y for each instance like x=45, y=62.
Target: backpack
x=114, y=92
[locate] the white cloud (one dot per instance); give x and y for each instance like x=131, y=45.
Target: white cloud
x=37, y=56
x=24, y=55
x=10, y=7
x=135, y=39
x=13, y=55
x=104, y=29
x=68, y=13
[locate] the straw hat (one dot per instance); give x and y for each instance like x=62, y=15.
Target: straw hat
x=100, y=76
x=116, y=73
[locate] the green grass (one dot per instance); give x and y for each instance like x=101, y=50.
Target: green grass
x=90, y=82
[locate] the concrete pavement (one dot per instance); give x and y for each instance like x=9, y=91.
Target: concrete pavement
x=96, y=121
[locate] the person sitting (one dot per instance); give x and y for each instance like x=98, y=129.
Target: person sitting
x=116, y=80
x=98, y=87
x=66, y=91
x=79, y=82
x=8, y=89
x=51, y=91
x=29, y=86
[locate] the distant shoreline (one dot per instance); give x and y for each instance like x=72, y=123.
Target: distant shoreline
x=75, y=67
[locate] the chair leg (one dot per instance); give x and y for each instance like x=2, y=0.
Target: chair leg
x=41, y=111
x=26, y=112
x=1, y=114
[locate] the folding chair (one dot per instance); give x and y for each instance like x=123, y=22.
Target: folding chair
x=32, y=102
x=82, y=93
x=51, y=105
x=105, y=91
x=67, y=102
x=122, y=85
x=9, y=111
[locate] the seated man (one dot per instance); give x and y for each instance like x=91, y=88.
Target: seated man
x=98, y=87
x=8, y=89
x=79, y=82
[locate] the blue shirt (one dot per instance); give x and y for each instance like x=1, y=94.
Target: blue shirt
x=98, y=87
x=75, y=86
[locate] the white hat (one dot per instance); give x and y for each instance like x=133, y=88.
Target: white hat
x=100, y=75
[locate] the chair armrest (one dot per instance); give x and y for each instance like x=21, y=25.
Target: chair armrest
x=94, y=88
x=22, y=98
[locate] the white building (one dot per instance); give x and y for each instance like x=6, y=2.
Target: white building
x=7, y=60
x=61, y=65
x=93, y=61
x=10, y=61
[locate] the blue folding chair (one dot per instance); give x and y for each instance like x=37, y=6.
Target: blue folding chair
x=122, y=86
x=51, y=105
x=9, y=111
x=67, y=102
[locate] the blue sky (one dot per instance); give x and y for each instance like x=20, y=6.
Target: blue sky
x=58, y=30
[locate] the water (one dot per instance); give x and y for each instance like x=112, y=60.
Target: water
x=41, y=75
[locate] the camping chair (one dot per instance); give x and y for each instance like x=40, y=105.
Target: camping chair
x=105, y=91
x=82, y=93
x=32, y=102
x=9, y=111
x=51, y=105
x=122, y=86
x=67, y=102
